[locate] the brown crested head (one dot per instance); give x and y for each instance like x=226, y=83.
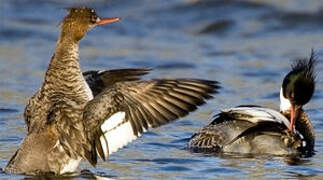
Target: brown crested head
x=79, y=21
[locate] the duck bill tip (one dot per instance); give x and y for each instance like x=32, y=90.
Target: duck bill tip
x=103, y=21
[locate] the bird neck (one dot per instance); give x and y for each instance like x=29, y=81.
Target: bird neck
x=64, y=73
x=304, y=126
x=66, y=57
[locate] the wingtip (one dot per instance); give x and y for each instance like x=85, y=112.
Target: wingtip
x=215, y=87
x=146, y=69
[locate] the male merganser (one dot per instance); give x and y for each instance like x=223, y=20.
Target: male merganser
x=77, y=116
x=259, y=130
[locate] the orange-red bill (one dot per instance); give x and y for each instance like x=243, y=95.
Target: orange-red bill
x=292, y=119
x=294, y=111
x=107, y=20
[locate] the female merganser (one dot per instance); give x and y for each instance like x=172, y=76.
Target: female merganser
x=75, y=116
x=259, y=130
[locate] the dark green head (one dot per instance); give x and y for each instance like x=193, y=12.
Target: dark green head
x=299, y=84
x=298, y=88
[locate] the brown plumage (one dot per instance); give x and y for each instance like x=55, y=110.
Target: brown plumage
x=99, y=80
x=146, y=104
x=74, y=115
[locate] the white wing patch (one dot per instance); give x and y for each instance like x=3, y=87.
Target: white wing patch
x=117, y=133
x=113, y=121
x=120, y=137
x=259, y=114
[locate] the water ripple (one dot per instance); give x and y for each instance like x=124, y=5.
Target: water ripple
x=248, y=50
x=8, y=110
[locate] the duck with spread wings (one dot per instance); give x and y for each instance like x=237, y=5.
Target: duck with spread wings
x=77, y=115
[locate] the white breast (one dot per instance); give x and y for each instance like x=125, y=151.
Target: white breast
x=71, y=166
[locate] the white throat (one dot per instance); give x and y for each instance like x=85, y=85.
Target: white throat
x=284, y=103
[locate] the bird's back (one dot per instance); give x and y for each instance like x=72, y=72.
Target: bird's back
x=247, y=130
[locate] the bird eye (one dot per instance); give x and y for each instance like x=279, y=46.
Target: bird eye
x=94, y=18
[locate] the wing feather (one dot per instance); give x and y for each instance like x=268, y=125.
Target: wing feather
x=145, y=104
x=99, y=80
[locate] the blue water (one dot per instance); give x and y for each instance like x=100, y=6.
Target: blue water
x=246, y=45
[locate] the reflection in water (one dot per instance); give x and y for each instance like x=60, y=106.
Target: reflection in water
x=295, y=161
x=84, y=174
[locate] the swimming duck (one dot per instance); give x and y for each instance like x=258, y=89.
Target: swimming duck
x=77, y=115
x=258, y=130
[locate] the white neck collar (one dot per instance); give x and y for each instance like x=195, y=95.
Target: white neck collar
x=284, y=103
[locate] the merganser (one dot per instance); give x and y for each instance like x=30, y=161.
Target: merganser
x=77, y=116
x=259, y=130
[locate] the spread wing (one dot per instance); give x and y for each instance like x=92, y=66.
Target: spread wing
x=119, y=115
x=98, y=80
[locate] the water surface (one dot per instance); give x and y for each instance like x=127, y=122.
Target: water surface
x=246, y=45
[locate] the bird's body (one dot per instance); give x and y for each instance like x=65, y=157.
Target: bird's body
x=258, y=130
x=254, y=130
x=77, y=116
